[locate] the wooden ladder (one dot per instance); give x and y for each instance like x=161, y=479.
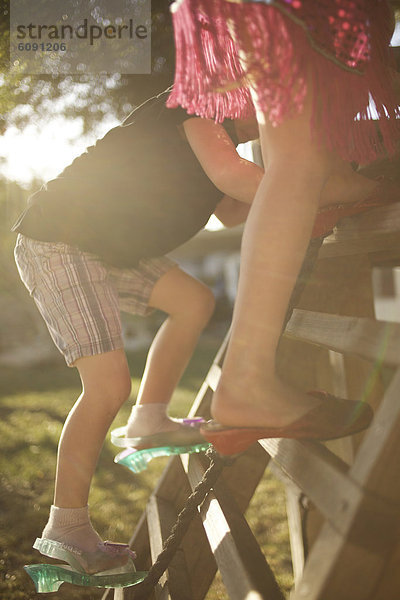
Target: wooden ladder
x=351, y=546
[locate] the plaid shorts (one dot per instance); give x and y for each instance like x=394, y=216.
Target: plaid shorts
x=80, y=298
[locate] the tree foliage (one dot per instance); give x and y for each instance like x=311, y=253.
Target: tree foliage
x=26, y=97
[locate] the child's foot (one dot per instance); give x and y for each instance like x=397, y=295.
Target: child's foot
x=72, y=526
x=316, y=415
x=149, y=419
x=70, y=536
x=108, y=558
x=150, y=427
x=268, y=404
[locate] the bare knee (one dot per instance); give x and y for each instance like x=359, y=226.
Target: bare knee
x=106, y=379
x=183, y=297
x=198, y=306
x=116, y=390
x=205, y=304
x=110, y=393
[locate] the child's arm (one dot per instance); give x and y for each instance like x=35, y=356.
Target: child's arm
x=231, y=212
x=233, y=175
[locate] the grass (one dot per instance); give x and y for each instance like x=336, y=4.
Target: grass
x=33, y=406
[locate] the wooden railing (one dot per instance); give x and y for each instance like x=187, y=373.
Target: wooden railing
x=350, y=549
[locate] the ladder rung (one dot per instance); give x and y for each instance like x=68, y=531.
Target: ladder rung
x=372, y=232
x=369, y=339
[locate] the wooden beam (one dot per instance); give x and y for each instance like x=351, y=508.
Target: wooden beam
x=378, y=457
x=352, y=553
x=243, y=568
x=374, y=231
x=175, y=583
x=294, y=516
x=366, y=338
x=140, y=543
x=174, y=487
x=140, y=539
x=319, y=473
x=213, y=376
x=242, y=478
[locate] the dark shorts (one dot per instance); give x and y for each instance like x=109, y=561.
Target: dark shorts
x=80, y=298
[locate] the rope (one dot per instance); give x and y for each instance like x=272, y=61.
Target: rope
x=185, y=517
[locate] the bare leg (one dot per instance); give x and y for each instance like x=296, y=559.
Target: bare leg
x=106, y=386
x=189, y=305
x=276, y=236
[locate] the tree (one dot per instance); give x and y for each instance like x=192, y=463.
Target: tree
x=23, y=97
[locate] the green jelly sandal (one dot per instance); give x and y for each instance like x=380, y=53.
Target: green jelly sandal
x=137, y=460
x=110, y=565
x=48, y=578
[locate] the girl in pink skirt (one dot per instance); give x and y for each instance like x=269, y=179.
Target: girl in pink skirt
x=307, y=69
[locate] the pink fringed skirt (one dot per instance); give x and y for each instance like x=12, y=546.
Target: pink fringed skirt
x=339, y=48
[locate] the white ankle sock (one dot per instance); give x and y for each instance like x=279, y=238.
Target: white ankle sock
x=72, y=526
x=146, y=419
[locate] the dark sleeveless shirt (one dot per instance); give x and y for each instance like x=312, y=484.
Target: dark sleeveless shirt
x=138, y=192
